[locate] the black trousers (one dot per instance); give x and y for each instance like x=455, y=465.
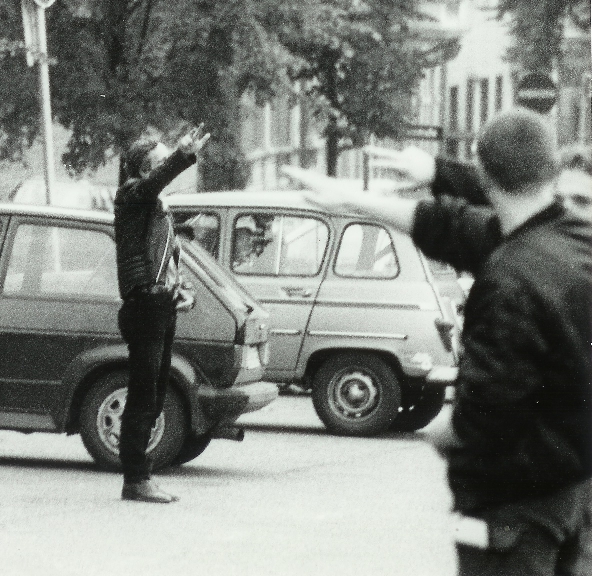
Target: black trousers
x=550, y=536
x=147, y=323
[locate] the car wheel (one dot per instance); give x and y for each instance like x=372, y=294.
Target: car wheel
x=419, y=406
x=356, y=394
x=100, y=423
x=192, y=447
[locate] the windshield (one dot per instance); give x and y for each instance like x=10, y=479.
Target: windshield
x=201, y=262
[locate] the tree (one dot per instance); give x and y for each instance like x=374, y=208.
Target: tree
x=123, y=68
x=358, y=59
x=126, y=67
x=537, y=28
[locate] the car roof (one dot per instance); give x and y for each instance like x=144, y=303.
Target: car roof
x=74, y=214
x=246, y=199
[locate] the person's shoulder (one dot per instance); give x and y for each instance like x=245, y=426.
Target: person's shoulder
x=127, y=191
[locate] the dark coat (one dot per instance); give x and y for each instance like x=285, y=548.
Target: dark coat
x=523, y=409
x=143, y=231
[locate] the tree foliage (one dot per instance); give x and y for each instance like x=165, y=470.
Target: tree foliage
x=122, y=68
x=357, y=59
x=537, y=28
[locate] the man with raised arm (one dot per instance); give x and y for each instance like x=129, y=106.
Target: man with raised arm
x=152, y=293
x=519, y=443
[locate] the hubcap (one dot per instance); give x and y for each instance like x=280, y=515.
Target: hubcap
x=354, y=394
x=109, y=422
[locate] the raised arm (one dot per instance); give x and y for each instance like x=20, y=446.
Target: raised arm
x=184, y=156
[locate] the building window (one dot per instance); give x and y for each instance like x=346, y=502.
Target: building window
x=452, y=147
x=470, y=107
x=499, y=93
x=453, y=108
x=484, y=100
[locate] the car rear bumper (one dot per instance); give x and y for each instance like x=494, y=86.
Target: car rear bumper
x=442, y=376
x=230, y=403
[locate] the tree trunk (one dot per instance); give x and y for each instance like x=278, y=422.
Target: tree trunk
x=332, y=133
x=331, y=144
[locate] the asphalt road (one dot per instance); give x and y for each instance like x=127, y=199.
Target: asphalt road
x=288, y=500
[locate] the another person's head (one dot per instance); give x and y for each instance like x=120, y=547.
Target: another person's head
x=143, y=156
x=574, y=184
x=516, y=152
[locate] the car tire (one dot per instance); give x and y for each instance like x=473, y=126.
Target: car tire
x=419, y=406
x=192, y=447
x=100, y=423
x=356, y=394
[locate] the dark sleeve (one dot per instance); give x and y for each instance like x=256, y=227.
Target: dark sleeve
x=459, y=180
x=452, y=231
x=151, y=186
x=501, y=367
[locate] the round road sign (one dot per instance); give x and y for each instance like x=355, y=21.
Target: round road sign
x=44, y=3
x=537, y=91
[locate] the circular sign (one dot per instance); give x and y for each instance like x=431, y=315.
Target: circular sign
x=44, y=3
x=537, y=91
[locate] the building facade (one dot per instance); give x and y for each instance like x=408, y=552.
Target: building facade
x=456, y=96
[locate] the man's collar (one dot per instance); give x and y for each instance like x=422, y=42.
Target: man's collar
x=550, y=212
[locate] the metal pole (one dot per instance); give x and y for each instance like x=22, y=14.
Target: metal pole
x=44, y=95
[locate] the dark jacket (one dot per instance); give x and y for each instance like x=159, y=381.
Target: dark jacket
x=523, y=409
x=143, y=230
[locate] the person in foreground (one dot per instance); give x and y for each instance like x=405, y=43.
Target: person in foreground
x=152, y=293
x=519, y=442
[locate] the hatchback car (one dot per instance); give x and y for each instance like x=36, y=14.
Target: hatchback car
x=356, y=315
x=63, y=366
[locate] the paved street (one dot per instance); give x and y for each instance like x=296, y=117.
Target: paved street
x=289, y=500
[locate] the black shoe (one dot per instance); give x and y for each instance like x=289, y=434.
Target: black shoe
x=146, y=491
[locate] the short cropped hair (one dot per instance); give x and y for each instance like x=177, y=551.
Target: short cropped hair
x=577, y=157
x=135, y=160
x=517, y=148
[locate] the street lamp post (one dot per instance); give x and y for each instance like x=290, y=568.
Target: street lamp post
x=36, y=43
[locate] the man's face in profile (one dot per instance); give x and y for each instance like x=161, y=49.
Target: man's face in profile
x=574, y=187
x=157, y=156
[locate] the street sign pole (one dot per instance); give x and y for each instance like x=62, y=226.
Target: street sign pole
x=36, y=44
x=45, y=105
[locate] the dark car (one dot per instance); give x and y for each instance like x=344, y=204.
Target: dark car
x=357, y=314
x=63, y=365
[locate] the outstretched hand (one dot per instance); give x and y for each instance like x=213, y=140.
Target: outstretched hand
x=194, y=141
x=337, y=202
x=412, y=163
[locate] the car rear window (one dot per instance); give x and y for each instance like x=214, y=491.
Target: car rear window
x=366, y=251
x=61, y=261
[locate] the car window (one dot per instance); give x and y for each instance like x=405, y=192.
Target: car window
x=201, y=227
x=56, y=260
x=278, y=245
x=366, y=251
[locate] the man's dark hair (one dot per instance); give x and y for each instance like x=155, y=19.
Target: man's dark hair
x=135, y=160
x=516, y=148
x=577, y=157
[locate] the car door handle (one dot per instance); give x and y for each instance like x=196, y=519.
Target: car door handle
x=294, y=291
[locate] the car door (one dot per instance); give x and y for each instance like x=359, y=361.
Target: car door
x=279, y=257
x=58, y=298
x=376, y=296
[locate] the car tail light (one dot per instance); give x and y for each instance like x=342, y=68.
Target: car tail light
x=264, y=353
x=250, y=359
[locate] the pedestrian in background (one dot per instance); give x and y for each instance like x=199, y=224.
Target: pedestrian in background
x=519, y=443
x=152, y=293
x=574, y=184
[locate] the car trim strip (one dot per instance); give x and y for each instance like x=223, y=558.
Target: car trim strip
x=334, y=333
x=369, y=304
x=350, y=303
x=286, y=332
x=20, y=420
